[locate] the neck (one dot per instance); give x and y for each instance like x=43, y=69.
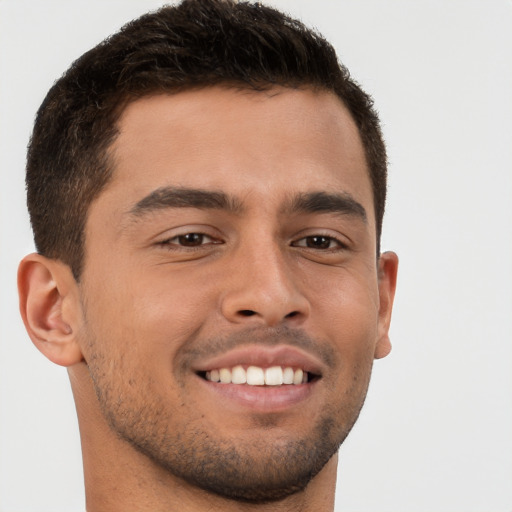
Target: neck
x=118, y=477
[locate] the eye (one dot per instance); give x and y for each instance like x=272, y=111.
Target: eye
x=320, y=242
x=190, y=240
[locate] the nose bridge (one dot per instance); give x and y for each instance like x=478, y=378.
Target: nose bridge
x=263, y=286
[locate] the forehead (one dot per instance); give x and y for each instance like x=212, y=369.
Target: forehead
x=246, y=143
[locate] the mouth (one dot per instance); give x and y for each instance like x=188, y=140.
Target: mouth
x=264, y=379
x=259, y=376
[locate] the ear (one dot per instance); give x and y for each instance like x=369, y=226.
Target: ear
x=50, y=307
x=388, y=267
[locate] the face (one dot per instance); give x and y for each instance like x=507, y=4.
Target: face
x=230, y=295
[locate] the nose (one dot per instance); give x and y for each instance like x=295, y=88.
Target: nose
x=263, y=289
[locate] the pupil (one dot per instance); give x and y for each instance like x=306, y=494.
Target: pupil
x=191, y=239
x=318, y=242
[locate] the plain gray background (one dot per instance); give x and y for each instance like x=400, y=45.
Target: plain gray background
x=436, y=432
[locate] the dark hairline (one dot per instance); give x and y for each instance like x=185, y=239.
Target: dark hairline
x=168, y=51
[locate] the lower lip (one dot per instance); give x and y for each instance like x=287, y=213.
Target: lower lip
x=262, y=398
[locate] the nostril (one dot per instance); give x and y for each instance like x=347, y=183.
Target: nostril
x=247, y=312
x=292, y=314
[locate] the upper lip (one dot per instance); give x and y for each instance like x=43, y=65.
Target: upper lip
x=264, y=357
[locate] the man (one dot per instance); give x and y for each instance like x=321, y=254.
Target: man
x=206, y=190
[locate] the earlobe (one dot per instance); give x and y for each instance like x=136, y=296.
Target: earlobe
x=48, y=306
x=388, y=267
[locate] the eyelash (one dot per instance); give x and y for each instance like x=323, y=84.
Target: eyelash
x=170, y=244
x=333, y=243
x=177, y=241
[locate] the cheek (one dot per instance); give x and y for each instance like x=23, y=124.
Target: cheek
x=170, y=309
x=345, y=310
x=136, y=296
x=354, y=332
x=147, y=317
x=348, y=308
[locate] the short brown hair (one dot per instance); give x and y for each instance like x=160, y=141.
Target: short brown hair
x=198, y=43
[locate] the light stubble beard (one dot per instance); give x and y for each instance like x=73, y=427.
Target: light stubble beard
x=263, y=465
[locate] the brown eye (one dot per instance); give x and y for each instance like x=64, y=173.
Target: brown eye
x=191, y=239
x=318, y=242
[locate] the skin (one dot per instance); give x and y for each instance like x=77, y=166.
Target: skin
x=266, y=279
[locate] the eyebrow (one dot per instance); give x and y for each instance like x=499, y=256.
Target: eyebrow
x=306, y=202
x=326, y=202
x=177, y=197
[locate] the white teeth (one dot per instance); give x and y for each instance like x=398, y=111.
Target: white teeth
x=225, y=375
x=238, y=375
x=256, y=376
x=274, y=376
x=288, y=375
x=298, y=376
x=213, y=376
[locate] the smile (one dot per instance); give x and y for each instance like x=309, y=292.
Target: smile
x=258, y=376
x=261, y=379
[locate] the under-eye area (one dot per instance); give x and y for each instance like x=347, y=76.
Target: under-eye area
x=259, y=376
